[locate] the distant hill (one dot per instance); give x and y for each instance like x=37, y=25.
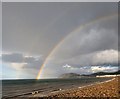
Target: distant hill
x=69, y=75
x=75, y=75
x=105, y=73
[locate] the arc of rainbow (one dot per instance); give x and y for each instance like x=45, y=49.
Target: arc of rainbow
x=70, y=34
x=58, y=17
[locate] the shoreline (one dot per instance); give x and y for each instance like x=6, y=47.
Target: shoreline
x=107, y=88
x=80, y=87
x=73, y=92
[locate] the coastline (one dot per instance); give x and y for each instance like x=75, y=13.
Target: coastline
x=107, y=88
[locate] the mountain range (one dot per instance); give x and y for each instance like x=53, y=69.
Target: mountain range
x=75, y=75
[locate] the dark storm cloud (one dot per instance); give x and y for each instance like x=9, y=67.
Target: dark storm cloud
x=36, y=28
x=90, y=40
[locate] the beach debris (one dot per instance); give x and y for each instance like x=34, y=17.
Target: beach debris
x=60, y=89
x=57, y=89
x=35, y=92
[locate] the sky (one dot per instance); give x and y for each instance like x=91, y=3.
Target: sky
x=58, y=38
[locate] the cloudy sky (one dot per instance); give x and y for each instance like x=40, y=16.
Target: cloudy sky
x=62, y=37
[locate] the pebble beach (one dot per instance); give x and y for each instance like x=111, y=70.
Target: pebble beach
x=105, y=89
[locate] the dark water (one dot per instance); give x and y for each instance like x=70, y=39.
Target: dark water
x=44, y=86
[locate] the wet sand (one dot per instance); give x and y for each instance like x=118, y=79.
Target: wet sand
x=105, y=89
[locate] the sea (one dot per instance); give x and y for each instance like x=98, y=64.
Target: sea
x=25, y=87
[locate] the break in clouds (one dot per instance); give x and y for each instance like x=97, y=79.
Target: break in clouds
x=22, y=61
x=31, y=31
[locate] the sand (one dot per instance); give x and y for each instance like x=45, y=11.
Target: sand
x=105, y=89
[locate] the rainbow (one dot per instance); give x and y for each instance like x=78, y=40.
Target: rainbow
x=70, y=34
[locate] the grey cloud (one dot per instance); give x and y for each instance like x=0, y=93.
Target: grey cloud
x=94, y=68
x=87, y=41
x=80, y=49
x=37, y=28
x=13, y=57
x=82, y=64
x=25, y=24
x=31, y=61
x=57, y=70
x=97, y=58
x=33, y=65
x=19, y=57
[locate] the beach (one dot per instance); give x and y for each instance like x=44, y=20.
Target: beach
x=43, y=87
x=108, y=88
x=105, y=88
